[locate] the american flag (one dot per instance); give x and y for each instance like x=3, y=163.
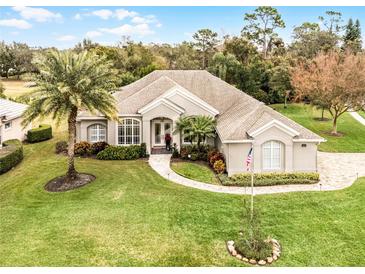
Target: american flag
x=249, y=159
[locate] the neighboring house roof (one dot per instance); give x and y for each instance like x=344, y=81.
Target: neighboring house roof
x=239, y=114
x=10, y=110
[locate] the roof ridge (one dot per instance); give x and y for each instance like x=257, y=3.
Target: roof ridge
x=144, y=87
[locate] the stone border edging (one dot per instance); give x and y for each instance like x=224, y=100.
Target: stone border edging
x=276, y=251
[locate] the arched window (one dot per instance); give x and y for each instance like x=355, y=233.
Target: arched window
x=129, y=132
x=96, y=133
x=271, y=155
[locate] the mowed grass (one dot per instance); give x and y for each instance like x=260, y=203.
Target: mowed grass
x=130, y=216
x=195, y=171
x=353, y=139
x=362, y=113
x=15, y=88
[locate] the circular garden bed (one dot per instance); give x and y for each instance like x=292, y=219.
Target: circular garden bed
x=60, y=184
x=275, y=254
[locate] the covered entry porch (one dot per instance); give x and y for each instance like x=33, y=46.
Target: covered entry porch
x=161, y=129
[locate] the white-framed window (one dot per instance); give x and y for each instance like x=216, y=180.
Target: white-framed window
x=97, y=133
x=186, y=139
x=271, y=155
x=7, y=125
x=129, y=132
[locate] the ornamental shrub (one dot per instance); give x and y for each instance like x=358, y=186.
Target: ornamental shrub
x=143, y=152
x=120, y=153
x=82, y=149
x=195, y=152
x=194, y=156
x=39, y=134
x=61, y=147
x=219, y=166
x=273, y=178
x=11, y=155
x=175, y=151
x=215, y=157
x=97, y=147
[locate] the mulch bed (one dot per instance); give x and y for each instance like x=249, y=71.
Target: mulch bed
x=59, y=184
x=338, y=134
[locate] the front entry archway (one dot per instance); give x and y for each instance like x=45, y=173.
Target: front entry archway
x=160, y=127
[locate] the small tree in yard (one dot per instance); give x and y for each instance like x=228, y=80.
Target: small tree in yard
x=197, y=127
x=68, y=82
x=335, y=81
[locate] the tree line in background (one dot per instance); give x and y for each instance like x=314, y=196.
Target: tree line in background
x=257, y=61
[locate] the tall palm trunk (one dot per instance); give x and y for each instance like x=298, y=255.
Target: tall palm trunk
x=71, y=172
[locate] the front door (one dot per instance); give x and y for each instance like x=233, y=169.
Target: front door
x=159, y=129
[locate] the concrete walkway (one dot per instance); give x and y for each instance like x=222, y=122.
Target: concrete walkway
x=337, y=171
x=357, y=117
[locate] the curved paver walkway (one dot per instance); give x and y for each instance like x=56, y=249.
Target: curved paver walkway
x=337, y=171
x=357, y=117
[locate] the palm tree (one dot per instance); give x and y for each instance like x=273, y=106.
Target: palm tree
x=197, y=127
x=203, y=127
x=183, y=125
x=68, y=82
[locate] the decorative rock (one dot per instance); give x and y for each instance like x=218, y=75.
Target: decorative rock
x=234, y=252
x=245, y=259
x=269, y=260
x=252, y=261
x=230, y=243
x=230, y=248
x=274, y=257
x=262, y=262
x=274, y=241
x=239, y=256
x=277, y=254
x=275, y=249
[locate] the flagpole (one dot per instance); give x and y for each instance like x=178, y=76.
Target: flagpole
x=251, y=185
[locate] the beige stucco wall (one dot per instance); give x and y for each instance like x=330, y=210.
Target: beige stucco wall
x=305, y=158
x=15, y=132
x=294, y=156
x=81, y=128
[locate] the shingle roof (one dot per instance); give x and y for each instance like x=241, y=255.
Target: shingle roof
x=239, y=113
x=11, y=110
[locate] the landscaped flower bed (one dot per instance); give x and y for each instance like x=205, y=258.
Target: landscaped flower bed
x=274, y=254
x=270, y=179
x=205, y=153
x=104, y=151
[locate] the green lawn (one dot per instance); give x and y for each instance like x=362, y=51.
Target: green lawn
x=195, y=171
x=130, y=216
x=353, y=139
x=15, y=88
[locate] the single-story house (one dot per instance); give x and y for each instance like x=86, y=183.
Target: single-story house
x=150, y=107
x=10, y=121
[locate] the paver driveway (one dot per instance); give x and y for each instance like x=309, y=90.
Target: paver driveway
x=337, y=171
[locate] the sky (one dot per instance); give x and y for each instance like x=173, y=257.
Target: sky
x=63, y=27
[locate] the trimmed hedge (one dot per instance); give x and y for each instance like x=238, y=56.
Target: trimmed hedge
x=120, y=153
x=61, y=147
x=39, y=134
x=271, y=179
x=13, y=157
